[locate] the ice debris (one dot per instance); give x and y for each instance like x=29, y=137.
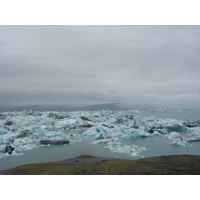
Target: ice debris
x=192, y=124
x=132, y=150
x=108, y=141
x=178, y=139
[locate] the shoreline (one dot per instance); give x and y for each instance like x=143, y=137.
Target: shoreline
x=91, y=165
x=82, y=159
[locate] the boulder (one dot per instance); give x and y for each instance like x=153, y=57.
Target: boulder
x=55, y=142
x=9, y=149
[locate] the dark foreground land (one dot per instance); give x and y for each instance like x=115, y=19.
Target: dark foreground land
x=89, y=165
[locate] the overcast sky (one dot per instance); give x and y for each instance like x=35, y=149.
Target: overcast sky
x=99, y=64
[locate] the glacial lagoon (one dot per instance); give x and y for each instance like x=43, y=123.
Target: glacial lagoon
x=128, y=134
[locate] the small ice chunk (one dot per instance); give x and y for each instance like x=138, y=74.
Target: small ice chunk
x=179, y=143
x=109, y=140
x=131, y=150
x=14, y=153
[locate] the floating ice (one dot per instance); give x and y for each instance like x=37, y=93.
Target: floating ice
x=5, y=138
x=196, y=132
x=126, y=132
x=14, y=153
x=108, y=127
x=178, y=139
x=3, y=130
x=175, y=127
x=178, y=136
x=169, y=127
x=108, y=141
x=180, y=143
x=131, y=150
x=66, y=124
x=100, y=132
x=136, y=122
x=174, y=135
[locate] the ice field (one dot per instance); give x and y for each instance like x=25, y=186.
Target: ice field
x=123, y=134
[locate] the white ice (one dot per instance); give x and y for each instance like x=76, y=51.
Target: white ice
x=108, y=127
x=131, y=150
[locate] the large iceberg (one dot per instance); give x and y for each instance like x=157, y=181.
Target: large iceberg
x=100, y=132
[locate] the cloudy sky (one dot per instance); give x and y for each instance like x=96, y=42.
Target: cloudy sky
x=99, y=64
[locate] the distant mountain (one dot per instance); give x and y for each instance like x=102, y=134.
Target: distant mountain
x=98, y=107
x=110, y=106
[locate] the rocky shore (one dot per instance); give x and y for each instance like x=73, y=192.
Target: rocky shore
x=89, y=165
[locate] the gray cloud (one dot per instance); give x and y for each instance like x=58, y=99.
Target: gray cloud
x=99, y=64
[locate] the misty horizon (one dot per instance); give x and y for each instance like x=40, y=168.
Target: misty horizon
x=90, y=65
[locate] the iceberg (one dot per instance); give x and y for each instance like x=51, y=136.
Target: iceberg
x=66, y=124
x=136, y=122
x=169, y=127
x=178, y=139
x=175, y=135
x=24, y=130
x=6, y=138
x=196, y=132
x=99, y=131
x=192, y=124
x=126, y=132
x=3, y=130
x=174, y=127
